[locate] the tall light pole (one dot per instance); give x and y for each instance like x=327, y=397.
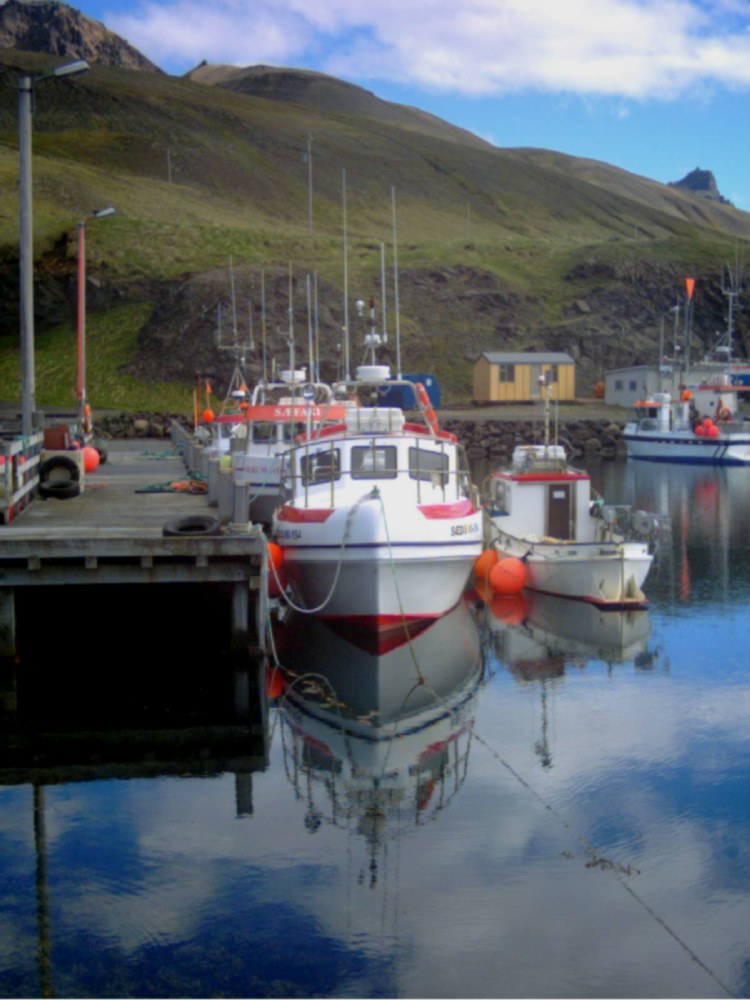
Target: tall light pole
x=84, y=424
x=26, y=237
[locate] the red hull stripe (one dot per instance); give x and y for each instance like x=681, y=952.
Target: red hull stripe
x=446, y=511
x=307, y=515
x=545, y=477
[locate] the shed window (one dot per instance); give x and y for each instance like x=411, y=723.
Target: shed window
x=507, y=373
x=632, y=385
x=553, y=375
x=618, y=383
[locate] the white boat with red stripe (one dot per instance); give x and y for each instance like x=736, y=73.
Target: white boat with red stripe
x=381, y=526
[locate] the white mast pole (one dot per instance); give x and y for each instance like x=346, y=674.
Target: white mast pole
x=395, y=286
x=347, y=372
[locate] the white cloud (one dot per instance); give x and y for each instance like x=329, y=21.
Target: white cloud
x=622, y=48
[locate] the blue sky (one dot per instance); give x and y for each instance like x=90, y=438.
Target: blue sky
x=657, y=87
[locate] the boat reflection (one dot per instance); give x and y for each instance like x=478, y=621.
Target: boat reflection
x=378, y=743
x=539, y=635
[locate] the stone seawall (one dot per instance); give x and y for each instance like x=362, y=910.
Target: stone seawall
x=482, y=438
x=496, y=438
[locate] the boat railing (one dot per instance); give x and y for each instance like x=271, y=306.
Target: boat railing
x=306, y=469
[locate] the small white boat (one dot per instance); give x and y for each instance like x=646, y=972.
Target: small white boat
x=665, y=430
x=381, y=526
x=541, y=511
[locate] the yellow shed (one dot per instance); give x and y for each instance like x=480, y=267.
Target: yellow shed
x=513, y=376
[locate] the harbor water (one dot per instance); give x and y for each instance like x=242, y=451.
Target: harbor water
x=530, y=798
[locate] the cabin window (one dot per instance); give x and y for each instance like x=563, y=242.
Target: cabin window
x=291, y=431
x=507, y=373
x=263, y=430
x=552, y=375
x=429, y=465
x=374, y=462
x=321, y=467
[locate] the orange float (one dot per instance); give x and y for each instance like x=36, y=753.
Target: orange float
x=276, y=576
x=508, y=576
x=484, y=563
x=90, y=459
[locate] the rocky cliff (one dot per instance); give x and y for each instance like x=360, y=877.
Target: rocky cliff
x=59, y=30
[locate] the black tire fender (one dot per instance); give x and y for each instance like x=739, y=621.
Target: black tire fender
x=60, y=489
x=62, y=464
x=192, y=526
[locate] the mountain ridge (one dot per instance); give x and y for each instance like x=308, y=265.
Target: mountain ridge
x=498, y=248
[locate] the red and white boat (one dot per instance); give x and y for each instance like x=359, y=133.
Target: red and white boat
x=277, y=413
x=541, y=511
x=381, y=526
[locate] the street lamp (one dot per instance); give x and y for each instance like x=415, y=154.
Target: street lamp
x=84, y=423
x=26, y=237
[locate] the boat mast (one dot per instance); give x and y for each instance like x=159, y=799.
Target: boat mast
x=395, y=286
x=347, y=372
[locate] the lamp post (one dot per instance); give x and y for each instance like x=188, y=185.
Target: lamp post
x=84, y=424
x=26, y=237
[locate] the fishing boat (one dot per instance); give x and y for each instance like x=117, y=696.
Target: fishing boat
x=541, y=510
x=277, y=412
x=663, y=429
x=381, y=525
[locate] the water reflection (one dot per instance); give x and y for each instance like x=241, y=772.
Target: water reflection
x=708, y=508
x=378, y=744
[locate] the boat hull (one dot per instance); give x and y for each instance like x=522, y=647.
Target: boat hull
x=609, y=575
x=732, y=448
x=377, y=567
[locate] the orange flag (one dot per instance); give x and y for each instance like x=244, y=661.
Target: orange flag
x=690, y=285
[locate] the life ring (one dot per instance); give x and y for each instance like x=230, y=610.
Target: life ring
x=426, y=404
x=722, y=413
x=197, y=525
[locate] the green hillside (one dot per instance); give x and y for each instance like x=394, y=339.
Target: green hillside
x=496, y=248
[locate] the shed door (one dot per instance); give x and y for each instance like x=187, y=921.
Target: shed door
x=560, y=510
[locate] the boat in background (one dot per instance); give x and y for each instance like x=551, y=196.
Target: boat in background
x=277, y=413
x=381, y=526
x=667, y=430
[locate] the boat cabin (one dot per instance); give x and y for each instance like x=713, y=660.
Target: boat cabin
x=375, y=447
x=541, y=496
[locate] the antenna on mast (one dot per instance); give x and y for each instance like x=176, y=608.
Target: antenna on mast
x=395, y=285
x=347, y=367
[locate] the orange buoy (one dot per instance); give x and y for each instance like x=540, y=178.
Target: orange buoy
x=699, y=430
x=509, y=608
x=90, y=459
x=712, y=431
x=276, y=574
x=484, y=563
x=508, y=576
x=208, y=415
x=274, y=683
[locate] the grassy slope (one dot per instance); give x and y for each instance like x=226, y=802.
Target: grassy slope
x=239, y=188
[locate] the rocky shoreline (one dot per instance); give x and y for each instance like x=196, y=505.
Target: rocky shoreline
x=482, y=437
